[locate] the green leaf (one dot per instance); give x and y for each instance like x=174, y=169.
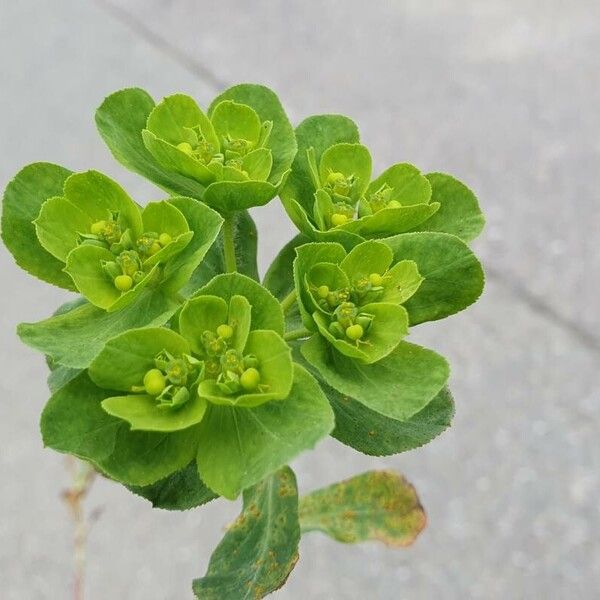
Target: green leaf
x=232, y=120
x=143, y=414
x=453, y=276
x=75, y=338
x=180, y=491
x=318, y=132
x=266, y=311
x=207, y=313
x=309, y=255
x=23, y=199
x=245, y=239
x=366, y=258
x=58, y=226
x=240, y=446
x=459, y=212
x=74, y=422
x=389, y=326
x=282, y=141
x=391, y=221
x=409, y=185
x=60, y=376
x=95, y=194
x=173, y=117
x=260, y=549
x=84, y=264
x=127, y=357
x=350, y=160
x=397, y=386
x=376, y=435
x=120, y=120
x=377, y=505
x=276, y=373
x=206, y=225
x=230, y=196
x=300, y=219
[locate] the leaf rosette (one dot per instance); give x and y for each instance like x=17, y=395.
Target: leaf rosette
x=354, y=300
x=112, y=249
x=330, y=195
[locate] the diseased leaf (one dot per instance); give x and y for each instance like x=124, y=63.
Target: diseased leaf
x=75, y=338
x=23, y=199
x=240, y=446
x=180, y=491
x=459, y=212
x=120, y=120
x=260, y=549
x=453, y=276
x=377, y=505
x=397, y=386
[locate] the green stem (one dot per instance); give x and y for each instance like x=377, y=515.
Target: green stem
x=296, y=334
x=229, y=245
x=288, y=301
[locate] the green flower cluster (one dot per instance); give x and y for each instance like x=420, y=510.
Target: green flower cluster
x=177, y=373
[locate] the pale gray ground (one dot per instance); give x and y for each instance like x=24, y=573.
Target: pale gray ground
x=505, y=95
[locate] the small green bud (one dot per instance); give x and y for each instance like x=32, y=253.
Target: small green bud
x=177, y=372
x=250, y=379
x=231, y=360
x=338, y=219
x=376, y=279
x=212, y=367
x=123, y=283
x=164, y=239
x=225, y=331
x=117, y=248
x=354, y=332
x=154, y=382
x=323, y=291
x=98, y=227
x=364, y=320
x=185, y=147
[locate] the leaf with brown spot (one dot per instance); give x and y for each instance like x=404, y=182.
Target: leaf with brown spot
x=377, y=505
x=260, y=549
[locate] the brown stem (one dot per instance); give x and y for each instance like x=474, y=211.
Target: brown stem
x=83, y=476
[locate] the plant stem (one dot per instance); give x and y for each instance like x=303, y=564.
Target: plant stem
x=288, y=301
x=296, y=334
x=83, y=476
x=229, y=245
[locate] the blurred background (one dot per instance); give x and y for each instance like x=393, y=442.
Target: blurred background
x=503, y=94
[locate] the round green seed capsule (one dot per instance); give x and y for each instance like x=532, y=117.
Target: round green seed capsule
x=376, y=279
x=354, y=332
x=154, y=382
x=164, y=239
x=323, y=291
x=123, y=283
x=185, y=147
x=250, y=379
x=225, y=331
x=338, y=219
x=98, y=227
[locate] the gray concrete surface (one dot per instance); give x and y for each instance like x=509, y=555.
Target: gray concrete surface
x=505, y=95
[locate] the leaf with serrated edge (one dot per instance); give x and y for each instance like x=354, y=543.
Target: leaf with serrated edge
x=377, y=505
x=260, y=548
